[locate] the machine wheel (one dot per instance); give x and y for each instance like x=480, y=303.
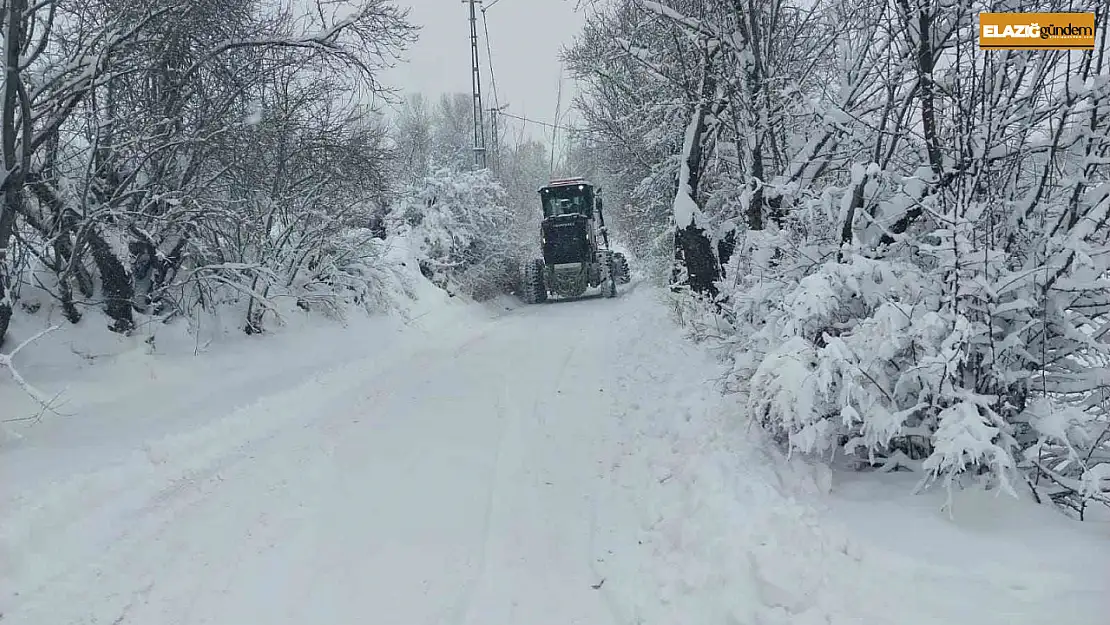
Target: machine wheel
x=620, y=268
x=535, y=291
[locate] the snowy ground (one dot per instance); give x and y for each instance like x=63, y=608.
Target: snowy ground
x=555, y=464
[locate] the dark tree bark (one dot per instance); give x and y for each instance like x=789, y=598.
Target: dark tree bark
x=925, y=62
x=7, y=222
x=13, y=130
x=694, y=252
x=115, y=283
x=725, y=248
x=693, y=248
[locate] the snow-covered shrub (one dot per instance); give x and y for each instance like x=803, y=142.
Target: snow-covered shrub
x=848, y=356
x=470, y=239
x=936, y=361
x=352, y=270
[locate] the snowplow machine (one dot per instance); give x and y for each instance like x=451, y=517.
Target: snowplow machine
x=575, y=245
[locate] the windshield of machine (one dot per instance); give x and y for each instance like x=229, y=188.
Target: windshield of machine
x=567, y=200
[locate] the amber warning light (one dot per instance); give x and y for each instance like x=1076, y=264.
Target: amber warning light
x=1036, y=31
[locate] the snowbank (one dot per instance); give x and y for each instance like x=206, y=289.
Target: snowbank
x=732, y=532
x=190, y=370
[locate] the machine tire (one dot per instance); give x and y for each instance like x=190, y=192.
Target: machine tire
x=620, y=268
x=535, y=291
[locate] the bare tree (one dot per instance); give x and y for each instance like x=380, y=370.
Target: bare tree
x=121, y=117
x=882, y=174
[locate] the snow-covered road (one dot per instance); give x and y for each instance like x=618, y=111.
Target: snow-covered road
x=559, y=464
x=457, y=484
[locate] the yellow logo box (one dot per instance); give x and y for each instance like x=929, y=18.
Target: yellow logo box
x=1036, y=31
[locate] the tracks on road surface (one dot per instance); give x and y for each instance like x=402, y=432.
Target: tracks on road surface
x=457, y=483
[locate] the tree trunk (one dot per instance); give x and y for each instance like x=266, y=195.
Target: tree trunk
x=725, y=248
x=65, y=266
x=7, y=223
x=11, y=173
x=693, y=249
x=694, y=253
x=926, y=94
x=115, y=283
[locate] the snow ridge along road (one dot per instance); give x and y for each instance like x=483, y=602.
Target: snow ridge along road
x=564, y=463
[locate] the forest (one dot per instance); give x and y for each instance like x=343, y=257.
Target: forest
x=898, y=241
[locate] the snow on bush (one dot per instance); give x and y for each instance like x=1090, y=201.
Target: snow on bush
x=469, y=238
x=355, y=269
x=935, y=361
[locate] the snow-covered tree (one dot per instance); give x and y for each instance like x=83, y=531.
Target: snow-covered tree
x=912, y=232
x=465, y=230
x=128, y=128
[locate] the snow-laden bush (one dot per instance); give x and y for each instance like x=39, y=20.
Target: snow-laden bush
x=470, y=240
x=353, y=270
x=936, y=361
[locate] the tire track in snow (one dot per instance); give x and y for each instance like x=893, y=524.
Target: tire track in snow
x=462, y=610
x=296, y=505
x=600, y=483
x=538, y=568
x=184, y=471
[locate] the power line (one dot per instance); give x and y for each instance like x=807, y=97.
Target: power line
x=497, y=108
x=489, y=55
x=555, y=126
x=495, y=138
x=545, y=124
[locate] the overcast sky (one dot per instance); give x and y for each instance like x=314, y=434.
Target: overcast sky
x=526, y=37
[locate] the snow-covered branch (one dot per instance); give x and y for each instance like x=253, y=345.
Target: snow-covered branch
x=7, y=361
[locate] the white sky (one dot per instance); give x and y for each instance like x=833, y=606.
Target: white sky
x=526, y=37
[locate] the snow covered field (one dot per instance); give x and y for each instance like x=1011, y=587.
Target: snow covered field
x=555, y=464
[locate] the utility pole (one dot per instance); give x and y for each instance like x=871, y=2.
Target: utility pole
x=495, y=137
x=495, y=155
x=476, y=89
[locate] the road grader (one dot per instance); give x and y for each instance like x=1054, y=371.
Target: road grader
x=575, y=245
